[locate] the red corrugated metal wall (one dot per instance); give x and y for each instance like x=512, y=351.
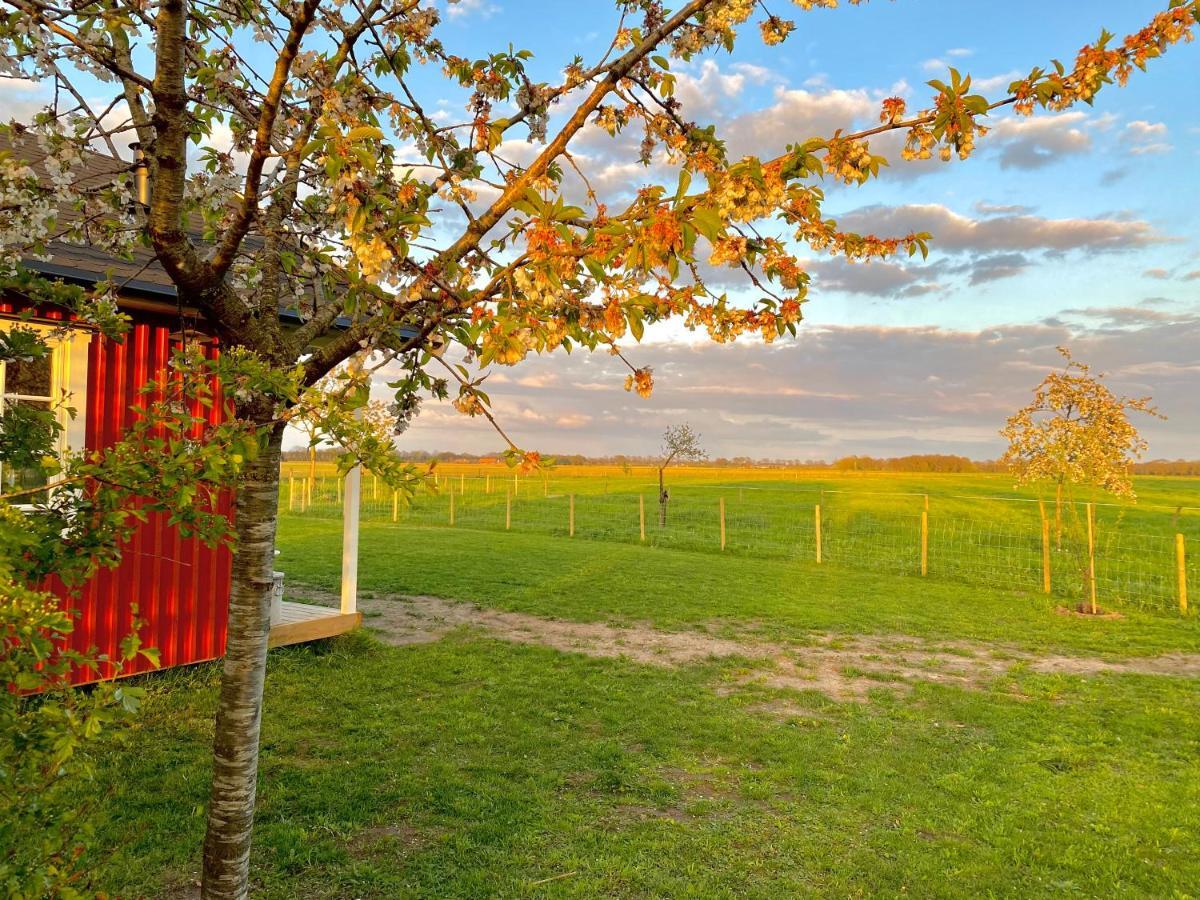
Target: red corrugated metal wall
x=180, y=586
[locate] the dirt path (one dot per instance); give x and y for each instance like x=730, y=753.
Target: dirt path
x=841, y=667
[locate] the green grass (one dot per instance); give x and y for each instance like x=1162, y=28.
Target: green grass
x=594, y=581
x=470, y=767
x=981, y=531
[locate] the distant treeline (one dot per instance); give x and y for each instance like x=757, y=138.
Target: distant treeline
x=921, y=462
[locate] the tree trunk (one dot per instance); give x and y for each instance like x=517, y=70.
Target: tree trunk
x=663, y=499
x=312, y=465
x=239, y=707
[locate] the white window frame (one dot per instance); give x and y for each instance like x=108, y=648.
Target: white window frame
x=68, y=381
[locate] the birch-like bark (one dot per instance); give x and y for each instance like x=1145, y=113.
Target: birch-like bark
x=239, y=707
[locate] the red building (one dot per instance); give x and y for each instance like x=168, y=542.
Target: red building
x=179, y=585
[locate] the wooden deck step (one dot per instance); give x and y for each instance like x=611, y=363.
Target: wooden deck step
x=302, y=622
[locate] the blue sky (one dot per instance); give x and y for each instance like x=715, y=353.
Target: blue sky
x=1076, y=228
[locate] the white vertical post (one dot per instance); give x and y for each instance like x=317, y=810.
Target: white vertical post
x=350, y=540
x=351, y=497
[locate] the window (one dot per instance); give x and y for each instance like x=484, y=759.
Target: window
x=56, y=383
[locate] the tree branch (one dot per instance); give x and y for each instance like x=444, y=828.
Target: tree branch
x=222, y=258
x=615, y=72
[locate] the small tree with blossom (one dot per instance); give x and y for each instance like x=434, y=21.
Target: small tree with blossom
x=1075, y=432
x=680, y=442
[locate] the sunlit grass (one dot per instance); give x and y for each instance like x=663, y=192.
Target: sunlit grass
x=471, y=767
x=979, y=530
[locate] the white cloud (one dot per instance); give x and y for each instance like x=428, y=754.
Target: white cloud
x=705, y=94
x=21, y=99
x=878, y=278
x=995, y=83
x=572, y=420
x=1034, y=142
x=462, y=9
x=839, y=390
x=1142, y=137
x=797, y=115
x=538, y=379
x=955, y=232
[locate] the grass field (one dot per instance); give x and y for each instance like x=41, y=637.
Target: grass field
x=978, y=529
x=474, y=766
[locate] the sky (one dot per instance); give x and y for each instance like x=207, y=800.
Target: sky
x=1071, y=229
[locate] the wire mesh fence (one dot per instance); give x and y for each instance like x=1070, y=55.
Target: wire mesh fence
x=1144, y=558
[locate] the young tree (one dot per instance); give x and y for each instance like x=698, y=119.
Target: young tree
x=343, y=198
x=679, y=442
x=1076, y=431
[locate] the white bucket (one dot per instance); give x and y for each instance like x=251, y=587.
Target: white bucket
x=276, y=598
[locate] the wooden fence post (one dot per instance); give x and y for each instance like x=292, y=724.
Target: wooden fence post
x=1045, y=555
x=395, y=506
x=291, y=492
x=571, y=516
x=925, y=541
x=374, y=487
x=642, y=516
x=452, y=506
x=817, y=526
x=1091, y=532
x=487, y=485
x=722, y=523
x=508, y=510
x=516, y=492
x=1181, y=571
x=462, y=482
x=338, y=482
x=1058, y=492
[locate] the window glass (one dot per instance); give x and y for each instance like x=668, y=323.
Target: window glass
x=20, y=382
x=30, y=378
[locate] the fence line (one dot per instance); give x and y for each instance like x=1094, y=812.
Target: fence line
x=1128, y=558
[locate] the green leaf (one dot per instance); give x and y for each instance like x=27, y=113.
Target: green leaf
x=594, y=267
x=708, y=222
x=685, y=179
x=365, y=132
x=637, y=326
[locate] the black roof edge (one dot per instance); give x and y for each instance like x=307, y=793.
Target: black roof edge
x=89, y=277
x=290, y=316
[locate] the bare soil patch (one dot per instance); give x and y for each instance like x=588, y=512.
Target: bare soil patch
x=1083, y=611
x=841, y=667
